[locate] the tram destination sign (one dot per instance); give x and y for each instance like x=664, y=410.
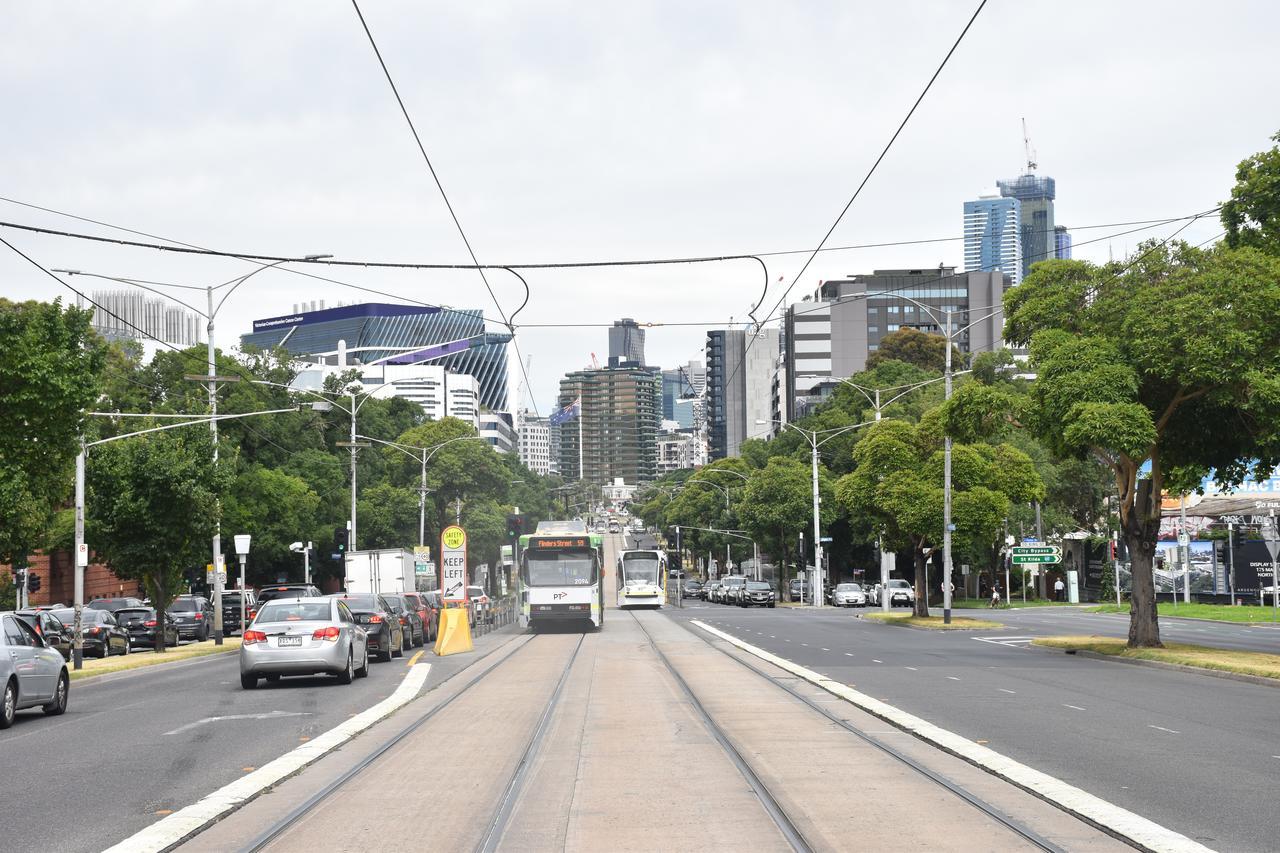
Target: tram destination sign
x=560, y=542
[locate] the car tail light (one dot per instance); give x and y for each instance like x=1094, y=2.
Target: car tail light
x=94, y=631
x=330, y=633
x=199, y=616
x=251, y=637
x=252, y=613
x=150, y=623
x=375, y=619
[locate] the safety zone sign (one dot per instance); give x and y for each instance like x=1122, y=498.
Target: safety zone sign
x=453, y=564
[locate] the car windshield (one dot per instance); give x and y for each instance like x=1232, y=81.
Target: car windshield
x=758, y=586
x=561, y=568
x=293, y=611
x=899, y=584
x=68, y=615
x=184, y=605
x=360, y=602
x=733, y=581
x=845, y=587
x=129, y=613
x=639, y=568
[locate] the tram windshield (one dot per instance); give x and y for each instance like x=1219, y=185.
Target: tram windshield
x=639, y=568
x=560, y=568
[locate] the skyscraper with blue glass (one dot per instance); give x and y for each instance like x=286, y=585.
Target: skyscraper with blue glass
x=1036, y=194
x=993, y=235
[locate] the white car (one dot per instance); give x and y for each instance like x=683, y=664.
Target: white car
x=899, y=592
x=848, y=595
x=32, y=673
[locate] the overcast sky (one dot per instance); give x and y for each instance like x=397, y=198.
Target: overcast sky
x=574, y=131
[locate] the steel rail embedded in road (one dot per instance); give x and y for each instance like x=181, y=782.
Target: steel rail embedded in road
x=977, y=802
x=785, y=825
x=306, y=807
x=515, y=786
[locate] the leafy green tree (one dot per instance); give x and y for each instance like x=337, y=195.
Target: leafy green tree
x=388, y=517
x=48, y=378
x=152, y=507
x=276, y=509
x=1162, y=369
x=777, y=507
x=1252, y=215
x=914, y=347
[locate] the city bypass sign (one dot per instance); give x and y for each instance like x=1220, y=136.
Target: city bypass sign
x=1036, y=554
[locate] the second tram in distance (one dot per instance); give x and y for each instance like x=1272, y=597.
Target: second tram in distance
x=642, y=578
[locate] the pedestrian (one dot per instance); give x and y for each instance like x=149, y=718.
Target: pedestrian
x=995, y=596
x=1058, y=589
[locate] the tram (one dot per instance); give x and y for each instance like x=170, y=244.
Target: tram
x=561, y=576
x=642, y=578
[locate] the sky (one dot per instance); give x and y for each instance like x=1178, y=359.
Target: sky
x=598, y=131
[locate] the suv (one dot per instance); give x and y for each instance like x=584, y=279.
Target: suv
x=799, y=590
x=111, y=605
x=899, y=591
x=288, y=590
x=231, y=609
x=756, y=594
x=193, y=616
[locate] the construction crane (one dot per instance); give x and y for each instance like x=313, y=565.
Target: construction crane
x=1026, y=144
x=595, y=362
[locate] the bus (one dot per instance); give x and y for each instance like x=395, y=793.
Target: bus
x=642, y=578
x=561, y=576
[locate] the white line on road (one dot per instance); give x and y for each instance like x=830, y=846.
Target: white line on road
x=826, y=650
x=912, y=668
x=848, y=654
x=873, y=660
x=1163, y=729
x=1002, y=690
x=1143, y=832
x=1072, y=707
x=270, y=715
x=185, y=822
x=952, y=678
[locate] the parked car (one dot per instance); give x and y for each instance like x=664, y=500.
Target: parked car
x=400, y=610
x=193, y=616
x=709, y=590
x=899, y=592
x=231, y=609
x=380, y=623
x=417, y=627
x=756, y=594
x=111, y=605
x=303, y=636
x=102, y=635
x=427, y=613
x=481, y=603
x=848, y=595
x=141, y=623
x=731, y=588
x=288, y=590
x=32, y=674
x=691, y=589
x=51, y=629
x=799, y=590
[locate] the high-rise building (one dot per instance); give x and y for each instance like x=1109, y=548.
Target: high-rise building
x=830, y=334
x=626, y=342
x=1061, y=243
x=375, y=333
x=440, y=393
x=536, y=449
x=132, y=315
x=679, y=383
x=1036, y=194
x=498, y=429
x=739, y=375
x=614, y=432
x=993, y=235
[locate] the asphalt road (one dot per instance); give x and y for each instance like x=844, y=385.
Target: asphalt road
x=136, y=745
x=1050, y=621
x=1197, y=754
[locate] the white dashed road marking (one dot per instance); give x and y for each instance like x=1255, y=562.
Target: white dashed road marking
x=913, y=669
x=952, y=678
x=1002, y=690
x=1073, y=707
x=1163, y=729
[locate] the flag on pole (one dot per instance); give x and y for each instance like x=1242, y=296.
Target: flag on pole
x=567, y=414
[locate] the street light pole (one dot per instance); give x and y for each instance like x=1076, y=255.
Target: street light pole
x=817, y=597
x=946, y=502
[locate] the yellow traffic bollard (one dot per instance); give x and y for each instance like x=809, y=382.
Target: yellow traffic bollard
x=455, y=633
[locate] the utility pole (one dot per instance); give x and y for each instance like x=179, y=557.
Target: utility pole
x=946, y=502
x=819, y=584
x=1184, y=551
x=82, y=562
x=218, y=632
x=1231, y=561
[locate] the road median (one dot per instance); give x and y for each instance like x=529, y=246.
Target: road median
x=139, y=660
x=1257, y=667
x=932, y=623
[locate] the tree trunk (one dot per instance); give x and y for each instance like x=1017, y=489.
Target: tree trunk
x=922, y=590
x=1141, y=528
x=159, y=599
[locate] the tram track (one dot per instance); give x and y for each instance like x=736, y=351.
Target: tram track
x=996, y=814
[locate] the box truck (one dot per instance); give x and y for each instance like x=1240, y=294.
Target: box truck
x=386, y=570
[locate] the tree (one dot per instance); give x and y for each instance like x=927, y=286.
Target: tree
x=1252, y=216
x=152, y=507
x=48, y=378
x=898, y=482
x=388, y=517
x=777, y=507
x=914, y=347
x=276, y=509
x=1163, y=369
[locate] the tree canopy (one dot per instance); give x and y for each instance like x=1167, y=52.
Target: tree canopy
x=912, y=346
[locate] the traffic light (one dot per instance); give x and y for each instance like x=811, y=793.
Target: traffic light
x=515, y=525
x=340, y=540
x=33, y=581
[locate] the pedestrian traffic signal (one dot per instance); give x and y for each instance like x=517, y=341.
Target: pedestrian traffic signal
x=33, y=582
x=340, y=540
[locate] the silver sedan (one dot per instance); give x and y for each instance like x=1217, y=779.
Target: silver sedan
x=303, y=636
x=32, y=674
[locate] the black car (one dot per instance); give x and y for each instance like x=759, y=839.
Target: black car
x=193, y=616
x=288, y=590
x=408, y=617
x=142, y=623
x=691, y=589
x=381, y=625
x=102, y=635
x=231, y=609
x=756, y=594
x=50, y=628
x=111, y=605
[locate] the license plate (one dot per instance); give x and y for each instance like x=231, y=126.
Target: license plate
x=282, y=642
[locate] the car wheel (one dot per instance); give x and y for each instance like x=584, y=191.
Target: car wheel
x=59, y=703
x=9, y=704
x=248, y=682
x=363, y=671
x=106, y=651
x=127, y=647
x=348, y=673
x=384, y=655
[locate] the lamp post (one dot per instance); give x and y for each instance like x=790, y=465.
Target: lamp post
x=242, y=551
x=814, y=443
x=305, y=550
x=427, y=453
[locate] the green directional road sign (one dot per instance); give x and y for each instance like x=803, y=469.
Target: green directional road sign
x=1025, y=559
x=1037, y=550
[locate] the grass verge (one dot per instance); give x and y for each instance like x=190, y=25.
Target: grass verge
x=1203, y=657
x=1218, y=612
x=932, y=622
x=138, y=660
x=1016, y=604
